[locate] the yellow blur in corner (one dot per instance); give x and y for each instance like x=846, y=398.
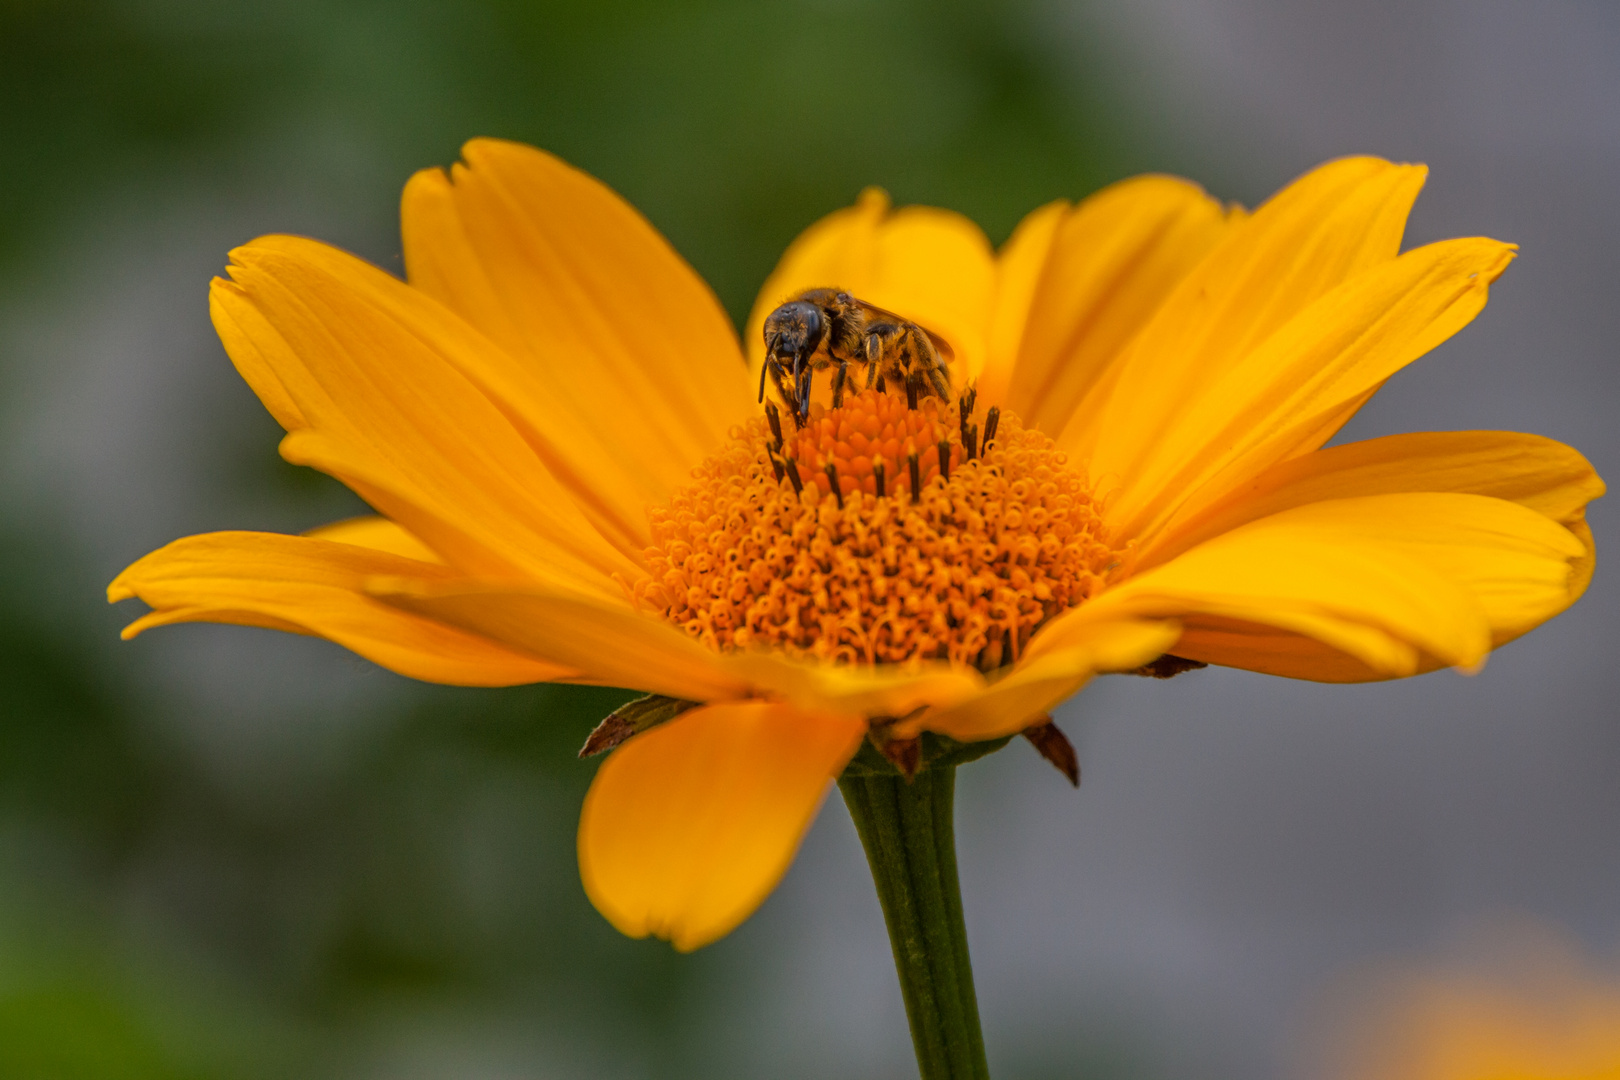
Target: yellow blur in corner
x=1519, y=1002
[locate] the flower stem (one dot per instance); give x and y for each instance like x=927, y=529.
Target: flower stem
x=908, y=831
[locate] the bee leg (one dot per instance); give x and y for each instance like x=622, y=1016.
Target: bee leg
x=871, y=372
x=942, y=386
x=763, y=368
x=911, y=391
x=789, y=398
x=805, y=375
x=838, y=384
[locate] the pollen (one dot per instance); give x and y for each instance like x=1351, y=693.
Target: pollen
x=877, y=534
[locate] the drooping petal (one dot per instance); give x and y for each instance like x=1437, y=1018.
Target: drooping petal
x=1192, y=443
x=377, y=533
x=688, y=827
x=314, y=586
x=616, y=357
x=1052, y=669
x=1532, y=470
x=1399, y=583
x=616, y=646
x=609, y=643
x=370, y=374
x=929, y=265
x=1075, y=285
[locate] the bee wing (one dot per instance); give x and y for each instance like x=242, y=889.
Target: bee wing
x=942, y=346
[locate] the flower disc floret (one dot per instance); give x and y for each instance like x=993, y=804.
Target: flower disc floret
x=759, y=552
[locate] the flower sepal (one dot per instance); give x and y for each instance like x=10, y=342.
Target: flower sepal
x=631, y=719
x=877, y=755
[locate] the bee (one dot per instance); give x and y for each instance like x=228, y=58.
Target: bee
x=824, y=327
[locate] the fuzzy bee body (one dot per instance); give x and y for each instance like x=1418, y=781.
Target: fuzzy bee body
x=822, y=328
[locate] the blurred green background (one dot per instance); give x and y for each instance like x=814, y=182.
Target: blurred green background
x=403, y=880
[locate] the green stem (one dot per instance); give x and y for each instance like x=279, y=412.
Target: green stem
x=907, y=830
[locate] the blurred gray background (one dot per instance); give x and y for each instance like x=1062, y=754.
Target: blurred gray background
x=232, y=853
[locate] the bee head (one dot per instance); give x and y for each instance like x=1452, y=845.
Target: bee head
x=794, y=331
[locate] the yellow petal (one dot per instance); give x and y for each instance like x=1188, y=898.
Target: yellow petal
x=1540, y=473
x=616, y=356
x=888, y=690
x=1193, y=443
x=1051, y=670
x=1399, y=582
x=312, y=586
x=377, y=533
x=614, y=645
x=372, y=370
x=609, y=643
x=1074, y=286
x=1325, y=229
x=932, y=266
x=688, y=827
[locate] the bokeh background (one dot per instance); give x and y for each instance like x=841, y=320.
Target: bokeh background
x=228, y=853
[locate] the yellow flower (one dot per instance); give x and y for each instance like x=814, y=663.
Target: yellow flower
x=575, y=482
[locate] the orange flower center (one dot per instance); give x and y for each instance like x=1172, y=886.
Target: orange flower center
x=929, y=547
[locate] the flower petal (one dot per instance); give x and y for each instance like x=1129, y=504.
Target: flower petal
x=1075, y=285
x=932, y=266
x=1540, y=473
x=688, y=827
x=1052, y=669
x=368, y=373
x=379, y=534
x=1212, y=434
x=313, y=586
x=609, y=643
x=607, y=334
x=614, y=645
x=1399, y=582
x=1330, y=226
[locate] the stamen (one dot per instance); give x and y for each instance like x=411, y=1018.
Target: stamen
x=991, y=419
x=966, y=568
x=911, y=395
x=880, y=387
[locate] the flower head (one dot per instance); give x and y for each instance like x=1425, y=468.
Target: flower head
x=574, y=481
